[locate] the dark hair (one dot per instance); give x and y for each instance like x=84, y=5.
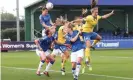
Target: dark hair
x=47, y=32
x=93, y=3
x=44, y=8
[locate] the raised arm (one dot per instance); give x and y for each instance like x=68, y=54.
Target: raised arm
x=51, y=22
x=75, y=38
x=108, y=15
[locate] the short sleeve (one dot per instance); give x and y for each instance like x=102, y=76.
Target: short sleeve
x=75, y=33
x=41, y=19
x=68, y=37
x=99, y=17
x=55, y=36
x=88, y=18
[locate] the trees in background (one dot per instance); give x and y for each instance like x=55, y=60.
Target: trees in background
x=7, y=16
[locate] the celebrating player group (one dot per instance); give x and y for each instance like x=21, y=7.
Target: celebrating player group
x=71, y=39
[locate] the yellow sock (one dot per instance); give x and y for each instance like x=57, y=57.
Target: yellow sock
x=83, y=64
x=63, y=63
x=95, y=42
x=87, y=52
x=87, y=55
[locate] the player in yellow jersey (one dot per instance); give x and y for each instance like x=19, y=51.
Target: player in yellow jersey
x=62, y=45
x=90, y=22
x=88, y=34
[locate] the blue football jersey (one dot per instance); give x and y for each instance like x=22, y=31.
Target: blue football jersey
x=78, y=44
x=45, y=19
x=45, y=42
x=56, y=46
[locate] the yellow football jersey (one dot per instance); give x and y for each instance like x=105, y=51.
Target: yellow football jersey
x=77, y=27
x=90, y=23
x=61, y=34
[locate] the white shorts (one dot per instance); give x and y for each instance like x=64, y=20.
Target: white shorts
x=43, y=33
x=76, y=55
x=57, y=52
x=38, y=52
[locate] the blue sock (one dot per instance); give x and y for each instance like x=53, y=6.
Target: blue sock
x=52, y=62
x=42, y=61
x=78, y=64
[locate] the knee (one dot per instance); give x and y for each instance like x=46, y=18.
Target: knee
x=73, y=64
x=79, y=60
x=88, y=44
x=52, y=59
x=67, y=56
x=99, y=38
x=53, y=56
x=43, y=58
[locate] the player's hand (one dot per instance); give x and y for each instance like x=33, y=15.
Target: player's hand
x=40, y=49
x=112, y=12
x=84, y=11
x=54, y=24
x=46, y=28
x=81, y=30
x=52, y=47
x=80, y=33
x=68, y=45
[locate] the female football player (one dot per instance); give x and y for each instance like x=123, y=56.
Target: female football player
x=43, y=45
x=77, y=49
x=45, y=20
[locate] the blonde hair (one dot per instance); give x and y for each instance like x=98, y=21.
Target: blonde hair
x=70, y=26
x=93, y=9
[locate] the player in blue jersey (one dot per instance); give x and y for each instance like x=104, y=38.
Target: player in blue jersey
x=45, y=20
x=43, y=45
x=77, y=49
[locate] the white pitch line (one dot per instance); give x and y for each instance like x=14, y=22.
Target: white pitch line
x=125, y=78
x=116, y=57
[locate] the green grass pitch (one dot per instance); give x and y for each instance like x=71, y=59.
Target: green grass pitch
x=107, y=65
